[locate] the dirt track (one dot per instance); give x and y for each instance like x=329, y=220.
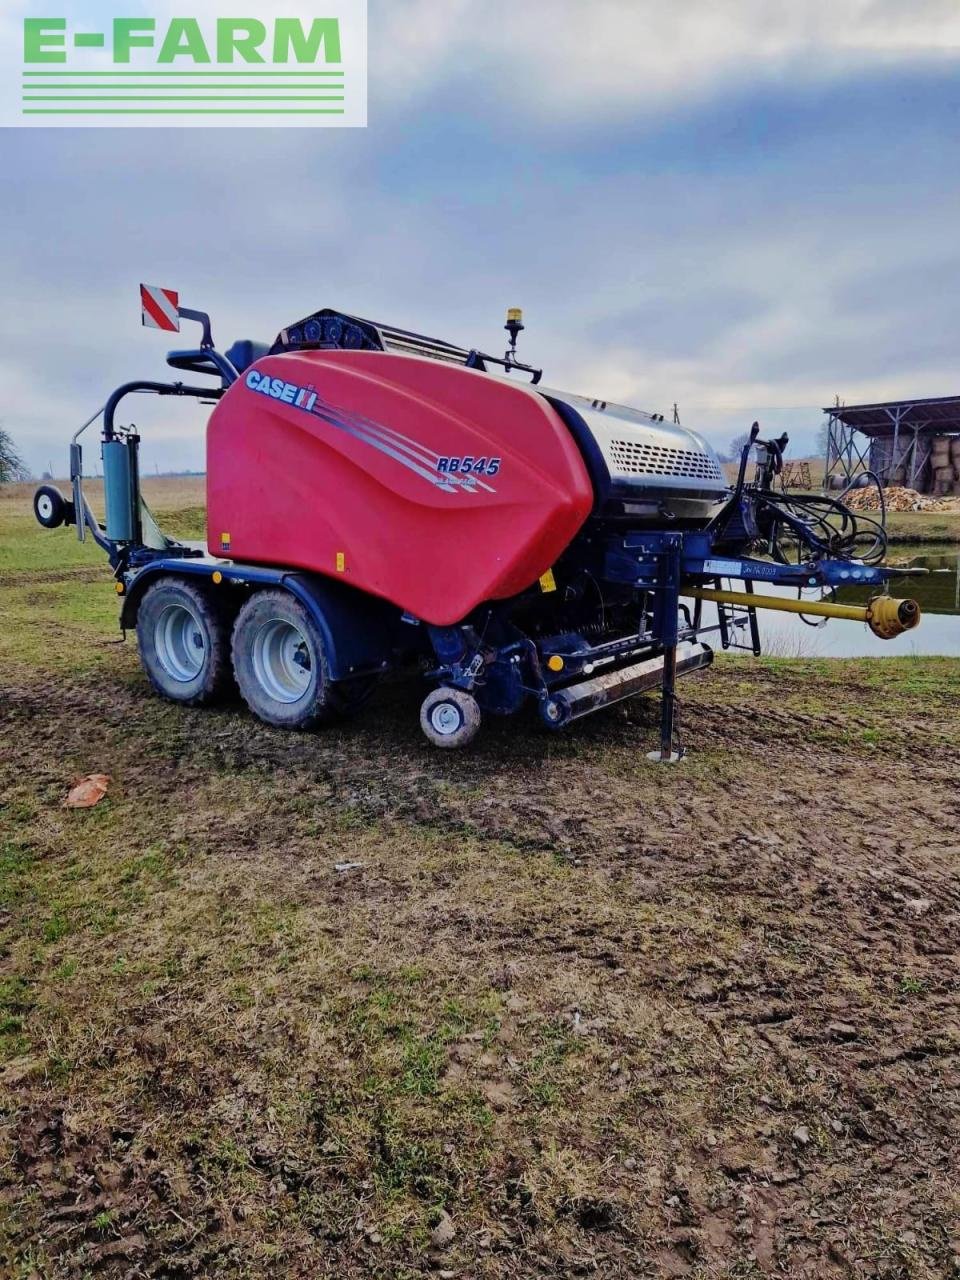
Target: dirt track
x=573, y=1015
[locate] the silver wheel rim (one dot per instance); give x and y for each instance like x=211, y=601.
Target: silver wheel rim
x=281, y=661
x=445, y=718
x=180, y=642
x=45, y=506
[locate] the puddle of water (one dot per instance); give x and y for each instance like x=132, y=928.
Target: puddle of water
x=937, y=592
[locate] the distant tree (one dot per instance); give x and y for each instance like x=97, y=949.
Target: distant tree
x=823, y=440
x=12, y=466
x=737, y=444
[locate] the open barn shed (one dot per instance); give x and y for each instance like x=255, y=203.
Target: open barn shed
x=906, y=442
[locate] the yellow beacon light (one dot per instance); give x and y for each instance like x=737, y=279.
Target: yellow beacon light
x=514, y=327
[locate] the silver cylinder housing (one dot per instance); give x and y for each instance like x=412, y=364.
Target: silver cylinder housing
x=638, y=461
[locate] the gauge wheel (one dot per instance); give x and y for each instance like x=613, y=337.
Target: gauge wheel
x=183, y=642
x=281, y=663
x=450, y=718
x=50, y=507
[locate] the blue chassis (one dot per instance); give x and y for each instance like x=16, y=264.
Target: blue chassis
x=359, y=629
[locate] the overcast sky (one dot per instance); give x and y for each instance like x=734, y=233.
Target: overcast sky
x=746, y=206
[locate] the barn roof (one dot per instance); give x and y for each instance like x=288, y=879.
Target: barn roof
x=939, y=416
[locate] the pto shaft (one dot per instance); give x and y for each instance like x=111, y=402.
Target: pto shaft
x=884, y=616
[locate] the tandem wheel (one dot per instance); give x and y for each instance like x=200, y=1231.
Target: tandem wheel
x=281, y=663
x=183, y=642
x=450, y=717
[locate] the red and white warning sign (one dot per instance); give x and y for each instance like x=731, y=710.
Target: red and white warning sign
x=160, y=308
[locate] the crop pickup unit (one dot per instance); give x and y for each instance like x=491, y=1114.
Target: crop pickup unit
x=377, y=498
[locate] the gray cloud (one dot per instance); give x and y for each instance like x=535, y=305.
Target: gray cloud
x=746, y=253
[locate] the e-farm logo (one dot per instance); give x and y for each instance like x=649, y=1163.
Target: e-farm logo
x=113, y=68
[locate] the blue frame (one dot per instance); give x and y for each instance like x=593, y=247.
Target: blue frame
x=636, y=560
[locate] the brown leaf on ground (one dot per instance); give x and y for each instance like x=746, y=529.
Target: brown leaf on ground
x=88, y=791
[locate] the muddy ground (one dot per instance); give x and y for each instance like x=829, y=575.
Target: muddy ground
x=579, y=1015
x=570, y=1015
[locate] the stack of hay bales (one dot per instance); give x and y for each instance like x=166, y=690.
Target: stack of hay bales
x=945, y=465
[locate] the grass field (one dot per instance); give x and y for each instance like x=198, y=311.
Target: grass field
x=571, y=1015
x=924, y=527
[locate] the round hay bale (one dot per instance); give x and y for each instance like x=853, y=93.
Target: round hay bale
x=943, y=475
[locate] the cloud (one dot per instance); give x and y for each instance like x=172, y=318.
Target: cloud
x=609, y=56
x=743, y=244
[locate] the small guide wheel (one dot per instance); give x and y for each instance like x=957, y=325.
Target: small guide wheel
x=553, y=714
x=50, y=507
x=450, y=717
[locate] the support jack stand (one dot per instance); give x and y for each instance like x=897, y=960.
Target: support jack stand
x=665, y=753
x=668, y=602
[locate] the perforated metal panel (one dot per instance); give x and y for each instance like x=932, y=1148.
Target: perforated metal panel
x=646, y=458
x=631, y=457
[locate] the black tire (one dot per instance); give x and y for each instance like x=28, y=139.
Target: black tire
x=450, y=718
x=51, y=508
x=281, y=664
x=183, y=642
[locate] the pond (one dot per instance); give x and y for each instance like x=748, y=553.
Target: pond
x=937, y=592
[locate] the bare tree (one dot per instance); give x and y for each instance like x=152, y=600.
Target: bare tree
x=12, y=466
x=737, y=445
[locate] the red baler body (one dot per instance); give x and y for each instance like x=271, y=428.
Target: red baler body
x=433, y=486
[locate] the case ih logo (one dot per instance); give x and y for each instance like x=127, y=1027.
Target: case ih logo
x=115, y=69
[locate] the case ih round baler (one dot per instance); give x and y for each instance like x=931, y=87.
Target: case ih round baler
x=376, y=497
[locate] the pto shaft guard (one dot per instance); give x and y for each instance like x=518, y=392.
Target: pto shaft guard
x=887, y=617
x=884, y=616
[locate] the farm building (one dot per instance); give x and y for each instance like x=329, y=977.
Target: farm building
x=906, y=442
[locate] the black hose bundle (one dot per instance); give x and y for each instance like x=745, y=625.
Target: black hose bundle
x=796, y=527
x=796, y=523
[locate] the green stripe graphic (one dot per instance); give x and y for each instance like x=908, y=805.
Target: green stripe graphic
x=138, y=91
x=183, y=111
x=183, y=97
x=251, y=87
x=149, y=88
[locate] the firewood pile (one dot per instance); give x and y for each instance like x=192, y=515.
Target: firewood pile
x=898, y=498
